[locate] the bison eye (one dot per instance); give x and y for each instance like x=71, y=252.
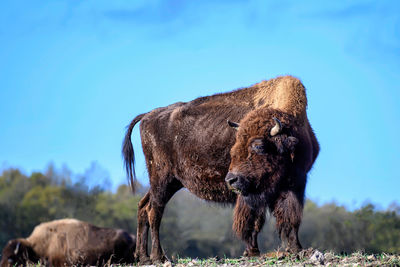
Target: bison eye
x=258, y=147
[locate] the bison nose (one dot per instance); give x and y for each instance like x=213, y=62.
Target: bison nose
x=231, y=178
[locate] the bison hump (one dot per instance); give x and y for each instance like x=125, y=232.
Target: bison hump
x=285, y=93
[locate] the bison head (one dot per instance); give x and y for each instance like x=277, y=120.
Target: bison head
x=262, y=155
x=18, y=252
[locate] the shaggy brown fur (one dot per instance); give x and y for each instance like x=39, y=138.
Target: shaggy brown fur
x=247, y=223
x=70, y=242
x=271, y=173
x=190, y=145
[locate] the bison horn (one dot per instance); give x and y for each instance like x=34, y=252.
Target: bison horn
x=17, y=248
x=277, y=128
x=234, y=125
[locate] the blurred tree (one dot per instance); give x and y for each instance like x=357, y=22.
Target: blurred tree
x=117, y=209
x=190, y=226
x=27, y=201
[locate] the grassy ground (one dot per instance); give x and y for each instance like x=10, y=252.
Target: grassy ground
x=308, y=257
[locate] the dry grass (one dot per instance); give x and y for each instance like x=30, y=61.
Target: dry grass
x=309, y=257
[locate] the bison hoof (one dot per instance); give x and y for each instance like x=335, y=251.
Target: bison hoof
x=254, y=252
x=144, y=260
x=159, y=260
x=293, y=250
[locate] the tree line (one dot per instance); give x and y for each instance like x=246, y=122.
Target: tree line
x=190, y=227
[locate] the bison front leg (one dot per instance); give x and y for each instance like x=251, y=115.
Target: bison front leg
x=247, y=223
x=288, y=210
x=252, y=244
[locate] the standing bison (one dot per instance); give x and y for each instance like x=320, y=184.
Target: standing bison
x=69, y=242
x=260, y=162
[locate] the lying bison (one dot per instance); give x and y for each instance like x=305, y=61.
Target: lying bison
x=263, y=164
x=70, y=242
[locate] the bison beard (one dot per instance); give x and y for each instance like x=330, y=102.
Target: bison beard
x=247, y=223
x=262, y=165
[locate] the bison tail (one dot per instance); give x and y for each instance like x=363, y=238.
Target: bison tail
x=129, y=154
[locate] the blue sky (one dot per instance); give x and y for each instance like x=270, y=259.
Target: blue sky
x=74, y=73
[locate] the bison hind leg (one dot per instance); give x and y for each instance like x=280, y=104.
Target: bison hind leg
x=141, y=254
x=161, y=192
